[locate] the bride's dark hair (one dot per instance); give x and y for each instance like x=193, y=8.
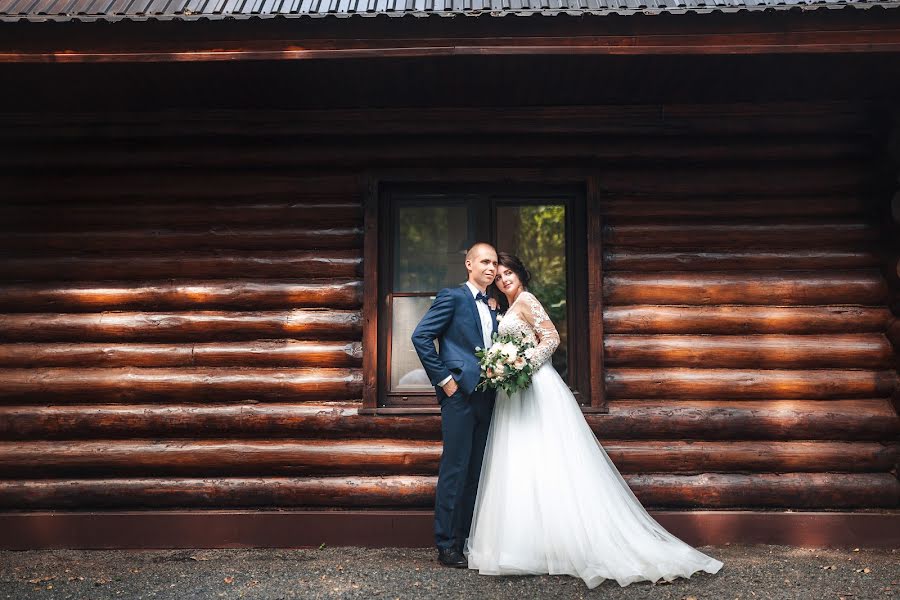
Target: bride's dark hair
x=515, y=264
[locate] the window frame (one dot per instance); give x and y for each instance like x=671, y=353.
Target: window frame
x=582, y=265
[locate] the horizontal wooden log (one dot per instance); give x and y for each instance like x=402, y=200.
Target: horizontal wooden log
x=179, y=326
x=260, y=353
x=281, y=265
x=398, y=490
x=382, y=456
x=312, y=212
x=388, y=150
x=628, y=259
x=646, y=319
x=893, y=333
x=755, y=234
x=183, y=385
x=786, y=288
x=782, y=118
x=101, y=241
x=867, y=419
x=745, y=456
x=870, y=350
x=860, y=420
x=187, y=294
x=790, y=490
x=825, y=177
x=817, y=206
x=231, y=457
x=749, y=384
x=196, y=185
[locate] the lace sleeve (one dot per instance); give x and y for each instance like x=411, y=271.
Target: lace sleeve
x=545, y=331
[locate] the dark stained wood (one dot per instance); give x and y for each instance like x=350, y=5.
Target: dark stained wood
x=824, y=177
x=743, y=456
x=198, y=186
x=270, y=492
x=368, y=152
x=371, y=281
x=626, y=259
x=275, y=266
x=188, y=294
x=595, y=269
x=647, y=319
x=749, y=384
x=167, y=240
x=186, y=385
x=673, y=43
x=870, y=350
x=792, y=288
x=740, y=235
x=235, y=457
x=800, y=490
x=893, y=333
x=641, y=208
x=797, y=119
x=285, y=528
x=269, y=353
x=170, y=404
x=377, y=456
x=318, y=209
x=178, y=326
x=864, y=419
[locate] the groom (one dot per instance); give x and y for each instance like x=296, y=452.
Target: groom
x=460, y=320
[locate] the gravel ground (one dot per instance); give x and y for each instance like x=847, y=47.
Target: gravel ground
x=764, y=572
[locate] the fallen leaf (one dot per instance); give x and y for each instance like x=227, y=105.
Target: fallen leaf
x=867, y=570
x=229, y=580
x=856, y=549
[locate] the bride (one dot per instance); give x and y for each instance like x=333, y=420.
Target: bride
x=549, y=498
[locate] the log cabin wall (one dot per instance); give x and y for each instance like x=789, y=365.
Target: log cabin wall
x=181, y=309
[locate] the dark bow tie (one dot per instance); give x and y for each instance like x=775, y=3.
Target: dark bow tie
x=482, y=297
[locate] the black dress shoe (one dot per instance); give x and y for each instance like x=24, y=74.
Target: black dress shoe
x=451, y=557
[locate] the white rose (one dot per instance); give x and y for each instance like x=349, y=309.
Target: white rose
x=529, y=353
x=520, y=363
x=510, y=350
x=500, y=369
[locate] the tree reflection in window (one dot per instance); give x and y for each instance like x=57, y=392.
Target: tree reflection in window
x=536, y=233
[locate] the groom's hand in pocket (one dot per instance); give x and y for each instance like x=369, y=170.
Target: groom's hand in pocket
x=450, y=387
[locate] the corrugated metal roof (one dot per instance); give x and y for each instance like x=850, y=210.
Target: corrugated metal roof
x=187, y=10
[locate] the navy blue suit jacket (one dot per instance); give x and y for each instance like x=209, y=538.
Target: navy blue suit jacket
x=453, y=321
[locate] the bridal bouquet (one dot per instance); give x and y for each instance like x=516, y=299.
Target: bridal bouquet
x=504, y=365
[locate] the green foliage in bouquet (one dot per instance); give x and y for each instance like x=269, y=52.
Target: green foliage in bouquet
x=505, y=365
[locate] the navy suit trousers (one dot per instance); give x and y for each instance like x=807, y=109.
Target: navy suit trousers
x=465, y=421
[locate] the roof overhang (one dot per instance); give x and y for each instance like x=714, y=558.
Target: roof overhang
x=845, y=31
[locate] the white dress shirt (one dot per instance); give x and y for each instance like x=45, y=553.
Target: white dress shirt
x=487, y=328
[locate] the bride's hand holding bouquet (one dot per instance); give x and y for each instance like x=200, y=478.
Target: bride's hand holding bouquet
x=505, y=364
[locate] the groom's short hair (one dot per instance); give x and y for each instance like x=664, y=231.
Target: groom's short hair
x=476, y=246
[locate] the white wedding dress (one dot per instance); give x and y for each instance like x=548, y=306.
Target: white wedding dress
x=550, y=501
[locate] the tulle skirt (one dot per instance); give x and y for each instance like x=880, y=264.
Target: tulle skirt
x=550, y=501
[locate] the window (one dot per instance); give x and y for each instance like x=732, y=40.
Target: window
x=422, y=237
